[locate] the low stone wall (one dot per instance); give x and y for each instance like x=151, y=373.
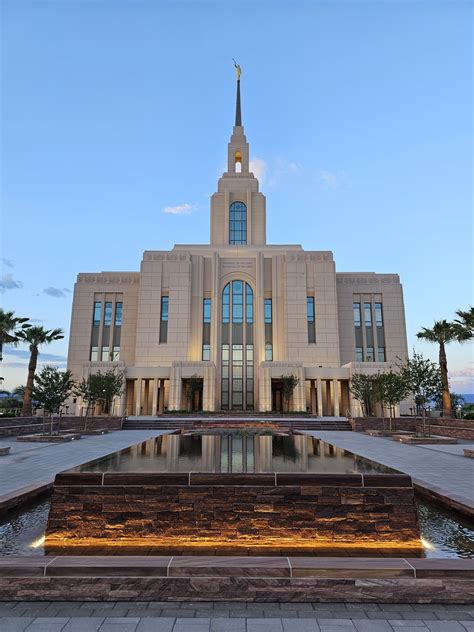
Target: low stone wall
x=456, y=428
x=215, y=513
x=295, y=579
x=17, y=426
x=361, y=424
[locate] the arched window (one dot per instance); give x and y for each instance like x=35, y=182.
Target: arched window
x=238, y=162
x=237, y=385
x=238, y=223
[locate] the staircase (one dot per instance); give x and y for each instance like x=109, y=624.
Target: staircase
x=218, y=421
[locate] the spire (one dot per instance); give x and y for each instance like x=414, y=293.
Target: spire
x=238, y=114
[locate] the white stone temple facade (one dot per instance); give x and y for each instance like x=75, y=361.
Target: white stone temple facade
x=217, y=326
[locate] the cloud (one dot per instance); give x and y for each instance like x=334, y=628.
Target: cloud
x=258, y=167
x=7, y=282
x=181, y=209
x=56, y=292
x=462, y=380
x=24, y=354
x=329, y=178
x=7, y=262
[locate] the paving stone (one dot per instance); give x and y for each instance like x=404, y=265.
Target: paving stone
x=15, y=624
x=301, y=625
x=366, y=625
x=228, y=625
x=264, y=625
x=456, y=615
x=187, y=627
x=402, y=624
x=156, y=624
x=81, y=624
x=343, y=627
x=444, y=626
x=47, y=624
x=427, y=615
x=469, y=625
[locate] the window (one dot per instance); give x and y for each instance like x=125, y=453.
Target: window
x=97, y=311
x=237, y=301
x=268, y=352
x=226, y=304
x=116, y=353
x=164, y=319
x=310, y=319
x=206, y=310
x=267, y=309
x=206, y=352
x=381, y=352
x=238, y=223
x=368, y=314
x=378, y=315
x=94, y=354
x=105, y=354
x=118, y=314
x=359, y=354
x=370, y=354
x=108, y=315
x=248, y=304
x=356, y=308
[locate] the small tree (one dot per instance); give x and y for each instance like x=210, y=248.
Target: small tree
x=423, y=379
x=101, y=387
x=391, y=388
x=51, y=388
x=364, y=389
x=290, y=382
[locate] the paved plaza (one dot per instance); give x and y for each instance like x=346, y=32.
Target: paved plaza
x=446, y=471
x=38, y=463
x=232, y=617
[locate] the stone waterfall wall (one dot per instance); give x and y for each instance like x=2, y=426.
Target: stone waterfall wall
x=212, y=513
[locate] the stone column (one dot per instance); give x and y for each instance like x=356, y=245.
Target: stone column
x=154, y=403
x=299, y=395
x=265, y=390
x=138, y=396
x=319, y=383
x=335, y=388
x=209, y=388
x=175, y=388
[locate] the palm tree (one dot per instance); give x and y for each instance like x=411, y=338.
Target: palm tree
x=10, y=326
x=443, y=333
x=465, y=320
x=34, y=337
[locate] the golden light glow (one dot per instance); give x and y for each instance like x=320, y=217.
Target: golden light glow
x=427, y=544
x=244, y=542
x=37, y=543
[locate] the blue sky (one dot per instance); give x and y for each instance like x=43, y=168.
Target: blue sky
x=358, y=116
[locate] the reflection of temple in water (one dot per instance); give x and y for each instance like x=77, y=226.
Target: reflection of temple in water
x=237, y=452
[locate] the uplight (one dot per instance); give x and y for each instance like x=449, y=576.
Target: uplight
x=37, y=543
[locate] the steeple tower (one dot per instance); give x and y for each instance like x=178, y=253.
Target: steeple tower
x=238, y=216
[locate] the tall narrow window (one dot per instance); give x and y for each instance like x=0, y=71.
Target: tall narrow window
x=164, y=319
x=356, y=308
x=268, y=311
x=238, y=223
x=359, y=354
x=370, y=354
x=116, y=354
x=381, y=353
x=105, y=354
x=268, y=352
x=368, y=314
x=206, y=329
x=237, y=380
x=206, y=310
x=108, y=314
x=118, y=314
x=310, y=319
x=94, y=354
x=378, y=315
x=97, y=311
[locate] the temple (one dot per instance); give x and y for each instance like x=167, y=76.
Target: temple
x=221, y=326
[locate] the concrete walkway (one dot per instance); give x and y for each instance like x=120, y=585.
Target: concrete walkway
x=31, y=464
x=446, y=473
x=232, y=617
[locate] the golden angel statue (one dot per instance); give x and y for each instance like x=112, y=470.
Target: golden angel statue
x=238, y=69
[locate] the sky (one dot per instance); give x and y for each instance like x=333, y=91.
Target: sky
x=116, y=118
